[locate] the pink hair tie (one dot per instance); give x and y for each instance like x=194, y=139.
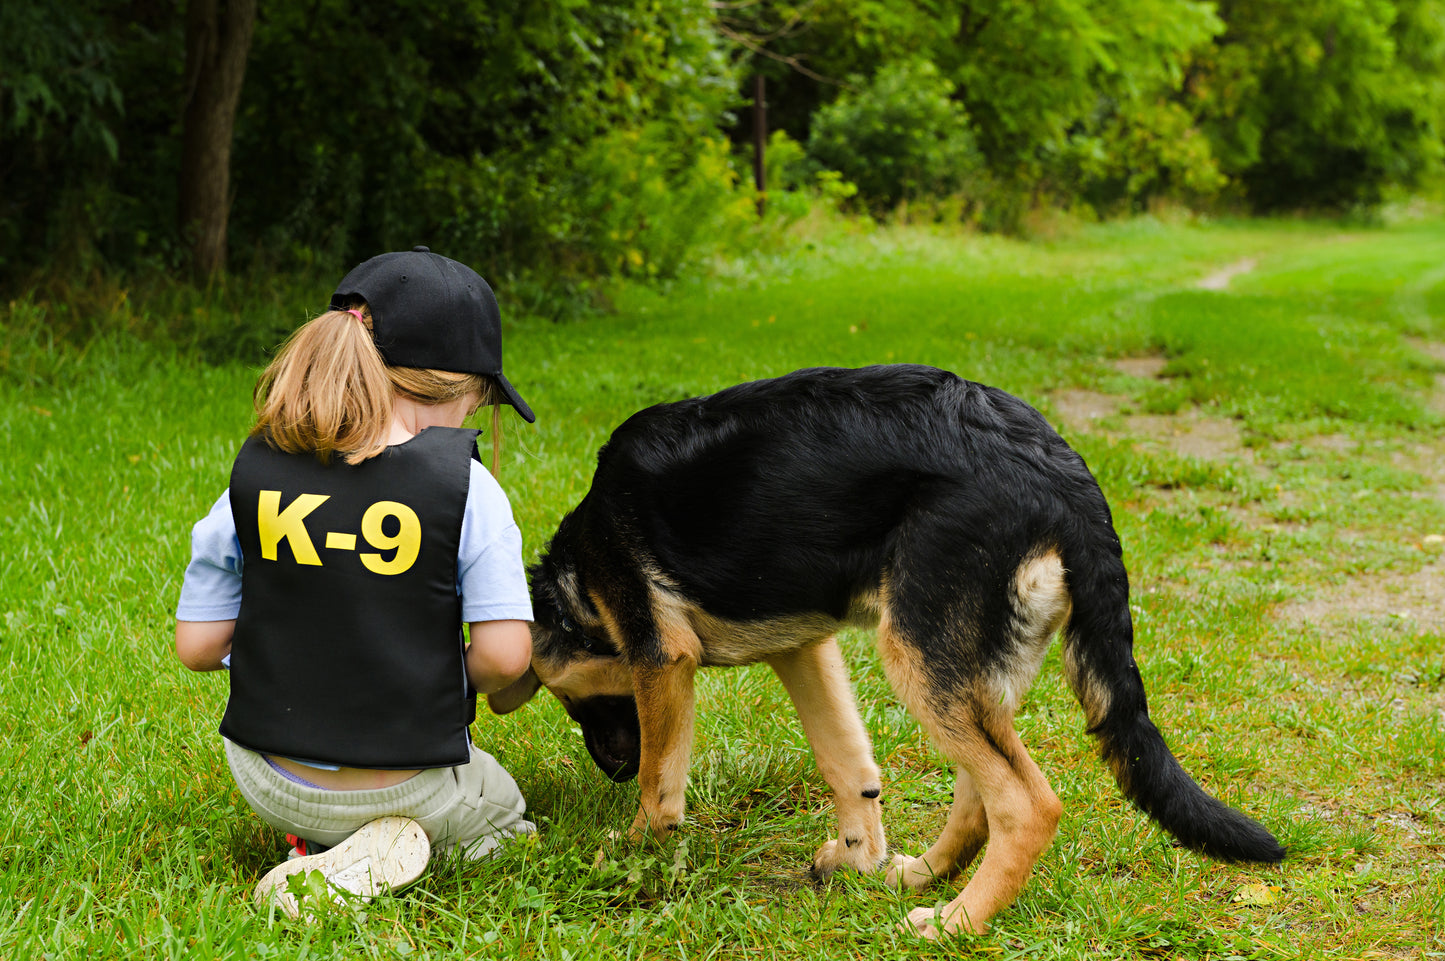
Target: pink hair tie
x=356, y=313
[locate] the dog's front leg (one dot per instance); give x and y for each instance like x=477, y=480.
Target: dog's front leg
x=665, y=717
x=817, y=681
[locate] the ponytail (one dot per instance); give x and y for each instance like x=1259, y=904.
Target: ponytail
x=326, y=392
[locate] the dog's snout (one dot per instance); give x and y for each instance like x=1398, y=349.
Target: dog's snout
x=611, y=732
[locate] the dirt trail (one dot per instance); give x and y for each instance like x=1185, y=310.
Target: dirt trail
x=1219, y=280
x=1413, y=599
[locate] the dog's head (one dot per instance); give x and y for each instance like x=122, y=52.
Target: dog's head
x=574, y=659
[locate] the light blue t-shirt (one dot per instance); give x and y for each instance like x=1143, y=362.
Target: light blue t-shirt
x=490, y=577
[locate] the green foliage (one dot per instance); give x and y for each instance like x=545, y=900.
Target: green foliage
x=1066, y=99
x=797, y=185
x=578, y=140
x=493, y=113
x=59, y=107
x=1151, y=152
x=368, y=127
x=635, y=202
x=55, y=70
x=898, y=137
x=1035, y=73
x=1325, y=102
x=1118, y=103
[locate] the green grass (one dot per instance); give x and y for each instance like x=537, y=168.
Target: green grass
x=123, y=835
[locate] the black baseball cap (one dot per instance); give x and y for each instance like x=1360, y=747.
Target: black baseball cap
x=431, y=312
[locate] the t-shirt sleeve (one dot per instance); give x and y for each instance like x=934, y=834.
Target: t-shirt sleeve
x=490, y=576
x=211, y=590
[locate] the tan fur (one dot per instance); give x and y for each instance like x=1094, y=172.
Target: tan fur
x=665, y=716
x=1000, y=796
x=727, y=643
x=674, y=623
x=963, y=837
x=1022, y=813
x=1092, y=694
x=1042, y=605
x=593, y=676
x=730, y=644
x=817, y=681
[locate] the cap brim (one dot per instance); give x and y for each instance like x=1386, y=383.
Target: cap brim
x=514, y=398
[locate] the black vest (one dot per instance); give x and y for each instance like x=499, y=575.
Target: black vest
x=348, y=647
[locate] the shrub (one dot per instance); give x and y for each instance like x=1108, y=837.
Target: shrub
x=898, y=137
x=639, y=202
x=1152, y=153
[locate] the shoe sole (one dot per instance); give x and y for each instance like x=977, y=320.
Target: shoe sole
x=383, y=856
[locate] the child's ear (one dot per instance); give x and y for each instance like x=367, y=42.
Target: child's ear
x=514, y=695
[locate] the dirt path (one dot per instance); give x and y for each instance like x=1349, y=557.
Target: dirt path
x=1219, y=280
x=1413, y=598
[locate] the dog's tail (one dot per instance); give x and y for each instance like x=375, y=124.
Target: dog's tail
x=1099, y=662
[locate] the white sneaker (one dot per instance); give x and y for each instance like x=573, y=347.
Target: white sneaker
x=384, y=855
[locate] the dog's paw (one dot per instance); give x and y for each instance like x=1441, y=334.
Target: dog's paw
x=935, y=922
x=863, y=855
x=912, y=874
x=648, y=825
x=927, y=922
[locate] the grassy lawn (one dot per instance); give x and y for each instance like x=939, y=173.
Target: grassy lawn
x=1271, y=445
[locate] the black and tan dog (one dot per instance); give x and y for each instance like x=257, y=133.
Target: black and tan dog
x=752, y=524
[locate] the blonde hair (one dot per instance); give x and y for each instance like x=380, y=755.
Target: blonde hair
x=328, y=391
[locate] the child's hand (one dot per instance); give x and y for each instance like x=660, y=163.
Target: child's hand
x=514, y=695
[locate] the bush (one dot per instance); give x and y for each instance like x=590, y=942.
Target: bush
x=640, y=202
x=1132, y=160
x=898, y=137
x=796, y=185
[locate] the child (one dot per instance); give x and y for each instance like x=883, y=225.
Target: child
x=332, y=578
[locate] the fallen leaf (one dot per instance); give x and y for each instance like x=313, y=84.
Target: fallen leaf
x=1257, y=895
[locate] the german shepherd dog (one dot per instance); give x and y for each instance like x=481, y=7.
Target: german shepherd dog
x=752, y=524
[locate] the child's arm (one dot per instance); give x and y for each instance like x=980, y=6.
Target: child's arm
x=210, y=592
x=203, y=645
x=499, y=653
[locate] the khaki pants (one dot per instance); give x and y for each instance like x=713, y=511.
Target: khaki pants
x=474, y=806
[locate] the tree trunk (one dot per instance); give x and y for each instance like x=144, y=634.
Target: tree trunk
x=218, y=40
x=760, y=142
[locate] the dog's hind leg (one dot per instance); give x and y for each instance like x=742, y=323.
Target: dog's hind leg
x=965, y=693
x=817, y=681
x=963, y=837
x=1022, y=814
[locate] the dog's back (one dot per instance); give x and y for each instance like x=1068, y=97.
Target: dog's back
x=791, y=495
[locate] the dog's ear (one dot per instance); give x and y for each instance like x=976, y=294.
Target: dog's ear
x=514, y=695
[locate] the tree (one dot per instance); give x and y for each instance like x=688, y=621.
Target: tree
x=505, y=132
x=1064, y=98
x=218, y=41
x=1325, y=103
x=60, y=112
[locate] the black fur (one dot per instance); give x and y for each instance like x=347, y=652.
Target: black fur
x=803, y=495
